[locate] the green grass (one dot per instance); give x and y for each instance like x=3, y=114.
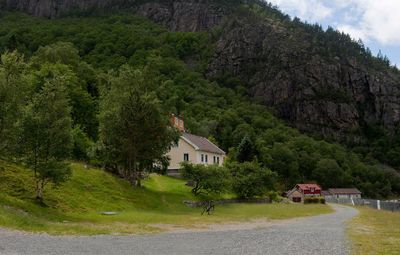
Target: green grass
x=74, y=208
x=375, y=232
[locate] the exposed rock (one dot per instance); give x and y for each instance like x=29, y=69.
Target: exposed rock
x=332, y=98
x=184, y=15
x=179, y=15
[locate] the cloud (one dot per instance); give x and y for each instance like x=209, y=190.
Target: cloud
x=310, y=10
x=370, y=20
x=380, y=21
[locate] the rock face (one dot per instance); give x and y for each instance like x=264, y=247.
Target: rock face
x=333, y=97
x=184, y=15
x=178, y=15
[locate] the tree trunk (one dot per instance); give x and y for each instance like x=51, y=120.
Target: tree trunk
x=138, y=180
x=39, y=191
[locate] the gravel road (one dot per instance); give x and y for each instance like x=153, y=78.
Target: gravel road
x=324, y=234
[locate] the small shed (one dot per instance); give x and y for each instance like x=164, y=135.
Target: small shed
x=301, y=191
x=344, y=193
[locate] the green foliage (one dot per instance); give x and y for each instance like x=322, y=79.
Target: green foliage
x=284, y=162
x=134, y=128
x=88, y=53
x=211, y=179
x=328, y=173
x=45, y=133
x=245, y=151
x=77, y=204
x=12, y=92
x=250, y=180
x=63, y=59
x=82, y=144
x=314, y=200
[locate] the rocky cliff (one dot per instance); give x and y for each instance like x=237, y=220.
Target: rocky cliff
x=337, y=96
x=297, y=72
x=179, y=15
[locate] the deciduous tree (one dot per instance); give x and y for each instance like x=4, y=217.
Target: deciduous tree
x=135, y=130
x=45, y=135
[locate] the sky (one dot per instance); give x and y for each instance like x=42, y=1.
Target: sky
x=375, y=22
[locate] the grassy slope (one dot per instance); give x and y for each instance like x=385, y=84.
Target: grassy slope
x=74, y=208
x=375, y=232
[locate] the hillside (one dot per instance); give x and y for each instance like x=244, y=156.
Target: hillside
x=211, y=77
x=75, y=207
x=320, y=82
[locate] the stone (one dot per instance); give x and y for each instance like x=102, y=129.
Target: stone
x=109, y=213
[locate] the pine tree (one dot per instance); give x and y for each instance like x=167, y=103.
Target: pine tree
x=246, y=150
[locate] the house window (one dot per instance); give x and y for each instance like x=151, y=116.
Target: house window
x=202, y=158
x=215, y=160
x=186, y=157
x=218, y=160
x=206, y=158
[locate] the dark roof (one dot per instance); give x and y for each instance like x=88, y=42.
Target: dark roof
x=203, y=144
x=344, y=191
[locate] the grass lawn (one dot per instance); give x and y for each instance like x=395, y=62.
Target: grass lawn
x=74, y=208
x=375, y=232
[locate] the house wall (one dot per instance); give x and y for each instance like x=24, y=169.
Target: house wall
x=176, y=155
x=294, y=194
x=210, y=158
x=347, y=196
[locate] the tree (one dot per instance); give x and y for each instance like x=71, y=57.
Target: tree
x=246, y=150
x=284, y=162
x=206, y=179
x=82, y=144
x=12, y=90
x=83, y=106
x=45, y=136
x=249, y=179
x=329, y=174
x=133, y=127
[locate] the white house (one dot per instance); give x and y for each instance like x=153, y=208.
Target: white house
x=194, y=149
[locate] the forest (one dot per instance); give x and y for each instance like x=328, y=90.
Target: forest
x=61, y=82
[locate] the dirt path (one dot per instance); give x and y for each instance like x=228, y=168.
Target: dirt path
x=323, y=234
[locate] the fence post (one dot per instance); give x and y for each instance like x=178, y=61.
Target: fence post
x=378, y=204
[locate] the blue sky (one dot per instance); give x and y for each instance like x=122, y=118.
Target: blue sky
x=376, y=22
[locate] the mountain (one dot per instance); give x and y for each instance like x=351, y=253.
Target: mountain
x=320, y=82
x=192, y=15
x=230, y=68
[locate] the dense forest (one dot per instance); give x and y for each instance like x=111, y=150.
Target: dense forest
x=71, y=62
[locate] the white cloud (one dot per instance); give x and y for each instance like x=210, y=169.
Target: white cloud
x=370, y=20
x=309, y=10
x=380, y=21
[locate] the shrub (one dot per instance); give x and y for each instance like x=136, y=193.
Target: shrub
x=206, y=179
x=250, y=180
x=314, y=200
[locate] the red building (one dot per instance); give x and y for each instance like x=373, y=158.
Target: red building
x=301, y=191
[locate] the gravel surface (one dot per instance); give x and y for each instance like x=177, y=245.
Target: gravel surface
x=324, y=234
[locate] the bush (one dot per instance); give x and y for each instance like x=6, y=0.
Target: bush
x=250, y=180
x=82, y=144
x=274, y=196
x=206, y=179
x=314, y=200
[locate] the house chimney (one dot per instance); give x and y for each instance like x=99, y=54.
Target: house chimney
x=178, y=122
